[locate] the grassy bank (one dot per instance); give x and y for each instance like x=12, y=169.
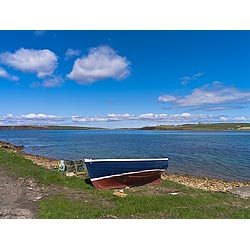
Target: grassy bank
x=72, y=197
x=202, y=126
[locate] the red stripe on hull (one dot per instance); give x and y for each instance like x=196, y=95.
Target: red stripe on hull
x=128, y=180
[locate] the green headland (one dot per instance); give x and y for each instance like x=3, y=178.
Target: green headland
x=198, y=126
x=202, y=126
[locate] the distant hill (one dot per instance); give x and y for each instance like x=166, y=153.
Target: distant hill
x=36, y=127
x=202, y=126
x=199, y=126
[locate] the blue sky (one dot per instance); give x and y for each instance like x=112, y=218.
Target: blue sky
x=124, y=78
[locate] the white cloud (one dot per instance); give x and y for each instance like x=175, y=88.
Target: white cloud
x=186, y=115
x=148, y=116
x=5, y=74
x=224, y=118
x=88, y=119
x=167, y=98
x=39, y=116
x=109, y=117
x=71, y=53
x=179, y=118
x=162, y=118
x=55, y=81
x=119, y=117
x=42, y=62
x=30, y=119
x=50, y=82
x=241, y=118
x=208, y=95
x=101, y=63
x=186, y=79
x=217, y=108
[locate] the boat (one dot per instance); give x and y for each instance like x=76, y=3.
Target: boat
x=121, y=173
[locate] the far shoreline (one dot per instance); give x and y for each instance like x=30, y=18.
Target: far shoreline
x=190, y=127
x=210, y=184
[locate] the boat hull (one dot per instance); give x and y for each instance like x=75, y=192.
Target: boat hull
x=128, y=180
x=109, y=174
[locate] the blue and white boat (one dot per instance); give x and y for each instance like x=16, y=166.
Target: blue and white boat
x=120, y=173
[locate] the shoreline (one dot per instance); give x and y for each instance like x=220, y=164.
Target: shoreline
x=189, y=127
x=37, y=159
x=211, y=184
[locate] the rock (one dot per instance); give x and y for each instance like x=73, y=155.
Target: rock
x=204, y=183
x=70, y=174
x=110, y=217
x=37, y=198
x=243, y=192
x=119, y=194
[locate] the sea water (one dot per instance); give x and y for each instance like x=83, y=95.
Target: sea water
x=216, y=154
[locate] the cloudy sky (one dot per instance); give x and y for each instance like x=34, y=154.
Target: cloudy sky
x=124, y=78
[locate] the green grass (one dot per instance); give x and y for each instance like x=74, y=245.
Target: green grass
x=189, y=205
x=200, y=126
x=84, y=201
x=21, y=167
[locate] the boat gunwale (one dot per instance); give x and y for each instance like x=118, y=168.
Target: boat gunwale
x=115, y=160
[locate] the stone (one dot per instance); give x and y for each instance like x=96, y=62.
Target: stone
x=119, y=194
x=70, y=174
x=243, y=192
x=204, y=183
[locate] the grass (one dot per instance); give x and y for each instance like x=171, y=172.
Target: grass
x=202, y=126
x=150, y=201
x=21, y=167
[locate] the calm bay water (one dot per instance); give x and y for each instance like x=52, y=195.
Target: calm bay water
x=223, y=155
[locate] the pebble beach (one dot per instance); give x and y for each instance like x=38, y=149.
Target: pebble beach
x=210, y=184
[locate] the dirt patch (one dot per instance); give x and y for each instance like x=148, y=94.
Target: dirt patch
x=19, y=196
